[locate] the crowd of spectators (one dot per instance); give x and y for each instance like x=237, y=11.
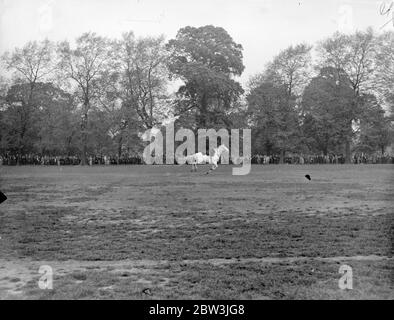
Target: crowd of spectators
x=357, y=158
x=67, y=160
x=323, y=159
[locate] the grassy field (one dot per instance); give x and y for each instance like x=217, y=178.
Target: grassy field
x=111, y=232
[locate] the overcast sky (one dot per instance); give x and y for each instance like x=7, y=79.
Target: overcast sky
x=263, y=27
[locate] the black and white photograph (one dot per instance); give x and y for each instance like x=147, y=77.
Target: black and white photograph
x=217, y=151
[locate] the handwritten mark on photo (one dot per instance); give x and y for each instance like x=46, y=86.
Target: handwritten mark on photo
x=387, y=10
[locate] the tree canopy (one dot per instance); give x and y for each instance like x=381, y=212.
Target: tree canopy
x=96, y=95
x=206, y=59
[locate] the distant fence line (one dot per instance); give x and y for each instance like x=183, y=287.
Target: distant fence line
x=138, y=160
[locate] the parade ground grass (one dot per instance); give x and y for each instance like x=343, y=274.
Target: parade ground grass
x=163, y=232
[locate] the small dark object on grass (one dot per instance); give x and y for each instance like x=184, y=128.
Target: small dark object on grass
x=2, y=197
x=147, y=291
x=308, y=177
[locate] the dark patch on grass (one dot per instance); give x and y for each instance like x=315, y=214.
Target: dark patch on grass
x=80, y=276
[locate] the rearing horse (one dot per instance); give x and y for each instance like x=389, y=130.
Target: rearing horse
x=199, y=158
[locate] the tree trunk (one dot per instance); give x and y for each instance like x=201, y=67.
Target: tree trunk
x=282, y=157
x=348, y=154
x=203, y=113
x=150, y=98
x=84, y=139
x=119, y=149
x=84, y=151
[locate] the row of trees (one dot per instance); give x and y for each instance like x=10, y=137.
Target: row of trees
x=92, y=97
x=97, y=95
x=332, y=104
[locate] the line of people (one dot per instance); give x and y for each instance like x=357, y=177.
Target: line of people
x=30, y=159
x=323, y=159
x=46, y=160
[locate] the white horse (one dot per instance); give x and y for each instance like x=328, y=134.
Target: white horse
x=200, y=158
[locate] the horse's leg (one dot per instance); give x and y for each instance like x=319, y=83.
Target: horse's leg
x=214, y=166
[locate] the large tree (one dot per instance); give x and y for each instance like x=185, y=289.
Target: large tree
x=273, y=100
x=116, y=123
x=20, y=120
x=325, y=105
x=86, y=65
x=375, y=129
x=291, y=69
x=49, y=126
x=206, y=59
x=384, y=76
x=353, y=55
x=274, y=119
x=58, y=130
x=29, y=66
x=143, y=77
